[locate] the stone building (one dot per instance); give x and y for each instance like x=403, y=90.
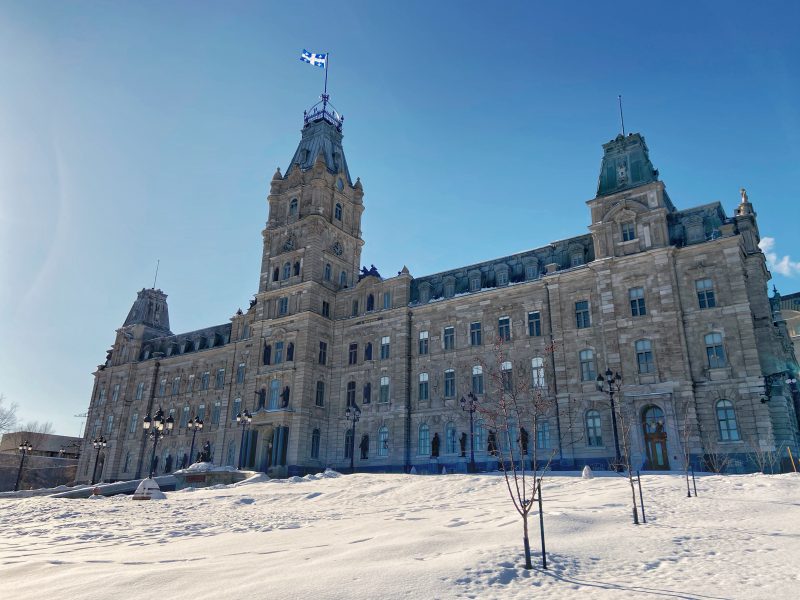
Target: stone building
x=674, y=300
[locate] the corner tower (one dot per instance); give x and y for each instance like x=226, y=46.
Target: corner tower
x=313, y=232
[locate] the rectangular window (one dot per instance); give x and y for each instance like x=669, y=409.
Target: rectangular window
x=423, y=342
x=134, y=424
x=588, y=372
x=162, y=389
x=184, y=417
x=384, y=397
x=705, y=293
x=236, y=408
x=176, y=386
x=507, y=376
x=537, y=372
x=636, y=297
x=502, y=278
x=504, y=328
x=477, y=379
x=449, y=383
x=644, y=356
x=385, y=347
x=628, y=231
x=220, y=382
x=355, y=308
x=240, y=373
x=351, y=393
x=326, y=308
x=594, y=431
x=543, y=435
x=204, y=380
x=323, y=353
x=109, y=424
x=387, y=301
x=352, y=355
x=449, y=337
x=475, y=284
x=320, y=396
x=215, y=412
x=534, y=324
x=423, y=386
x=278, y=353
x=715, y=351
x=115, y=393
x=190, y=384
x=140, y=390
x=475, y=335
x=283, y=306
x=582, y=318
x=201, y=412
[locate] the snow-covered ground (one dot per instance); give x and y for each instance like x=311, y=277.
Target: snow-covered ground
x=404, y=536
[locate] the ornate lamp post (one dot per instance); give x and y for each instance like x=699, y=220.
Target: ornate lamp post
x=157, y=428
x=99, y=444
x=24, y=448
x=612, y=384
x=244, y=419
x=352, y=414
x=195, y=425
x=471, y=406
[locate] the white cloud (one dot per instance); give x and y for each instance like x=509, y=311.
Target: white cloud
x=784, y=265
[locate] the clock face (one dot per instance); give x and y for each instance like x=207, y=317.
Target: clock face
x=337, y=249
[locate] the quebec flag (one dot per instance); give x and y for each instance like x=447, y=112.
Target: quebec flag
x=317, y=60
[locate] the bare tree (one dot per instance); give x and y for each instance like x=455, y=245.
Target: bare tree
x=32, y=432
x=763, y=456
x=716, y=458
x=8, y=415
x=685, y=441
x=626, y=420
x=514, y=404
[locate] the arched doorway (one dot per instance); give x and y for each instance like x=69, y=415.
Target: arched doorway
x=655, y=437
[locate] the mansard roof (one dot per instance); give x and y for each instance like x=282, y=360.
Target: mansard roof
x=626, y=164
x=321, y=135
x=516, y=268
x=183, y=343
x=697, y=224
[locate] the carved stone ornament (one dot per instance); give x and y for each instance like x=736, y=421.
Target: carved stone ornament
x=289, y=244
x=337, y=249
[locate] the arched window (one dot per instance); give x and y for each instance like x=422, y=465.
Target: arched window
x=383, y=441
x=337, y=212
x=293, y=208
x=351, y=393
x=290, y=352
x=274, y=393
x=477, y=379
x=537, y=372
x=644, y=356
x=367, y=393
x=328, y=272
x=287, y=270
x=315, y=443
x=276, y=274
x=296, y=270
x=424, y=440
x=586, y=358
x=726, y=418
x=653, y=419
x=507, y=375
x=451, y=441
x=343, y=279
x=348, y=443
x=267, y=354
x=715, y=351
x=370, y=303
x=368, y=351
x=594, y=432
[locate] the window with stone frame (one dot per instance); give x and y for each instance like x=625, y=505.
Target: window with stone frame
x=449, y=383
x=319, y=399
x=423, y=342
x=351, y=393
x=449, y=337
x=162, y=390
x=278, y=353
x=337, y=212
x=315, y=436
x=326, y=308
x=475, y=334
x=204, y=380
x=424, y=440
x=323, y=353
x=240, y=373
x=140, y=390
x=628, y=230
x=367, y=393
x=133, y=426
x=216, y=409
x=535, y=323
x=368, y=351
x=115, y=392
x=328, y=272
x=354, y=311
x=504, y=328
x=507, y=376
x=293, y=208
x=352, y=354
x=387, y=300
x=283, y=306
x=705, y=293
x=502, y=277
x=594, y=430
x=423, y=386
x=543, y=435
x=383, y=441
x=287, y=270
x=477, y=379
x=636, y=298
x=220, y=381
x=384, y=390
x=236, y=408
x=586, y=359
x=644, y=356
x=537, y=372
x=726, y=421
x=715, y=351
x=475, y=283
x=385, y=347
x=184, y=417
x=582, y=316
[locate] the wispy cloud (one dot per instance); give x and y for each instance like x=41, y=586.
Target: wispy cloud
x=784, y=265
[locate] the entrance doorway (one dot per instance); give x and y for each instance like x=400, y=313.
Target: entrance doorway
x=655, y=438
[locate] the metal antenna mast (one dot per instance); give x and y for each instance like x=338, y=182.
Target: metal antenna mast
x=158, y=262
x=621, y=118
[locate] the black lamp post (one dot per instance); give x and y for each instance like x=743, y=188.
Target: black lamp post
x=195, y=425
x=157, y=428
x=99, y=444
x=243, y=419
x=471, y=406
x=612, y=384
x=352, y=414
x=24, y=448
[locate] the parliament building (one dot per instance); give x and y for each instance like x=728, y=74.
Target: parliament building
x=675, y=300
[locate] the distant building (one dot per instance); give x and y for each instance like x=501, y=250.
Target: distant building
x=43, y=444
x=52, y=461
x=675, y=300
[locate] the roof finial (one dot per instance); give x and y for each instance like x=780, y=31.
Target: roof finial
x=745, y=199
x=621, y=119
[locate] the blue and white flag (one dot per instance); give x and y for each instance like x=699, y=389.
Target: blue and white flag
x=316, y=60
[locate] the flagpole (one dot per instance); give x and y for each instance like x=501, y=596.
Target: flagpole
x=327, y=60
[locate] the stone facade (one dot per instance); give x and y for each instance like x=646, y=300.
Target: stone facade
x=674, y=300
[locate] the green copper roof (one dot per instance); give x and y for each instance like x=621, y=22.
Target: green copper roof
x=626, y=164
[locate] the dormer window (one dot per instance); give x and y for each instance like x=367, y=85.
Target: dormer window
x=339, y=184
x=337, y=213
x=449, y=288
x=628, y=231
x=424, y=293
x=502, y=277
x=576, y=260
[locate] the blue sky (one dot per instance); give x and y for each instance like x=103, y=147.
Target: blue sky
x=131, y=132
